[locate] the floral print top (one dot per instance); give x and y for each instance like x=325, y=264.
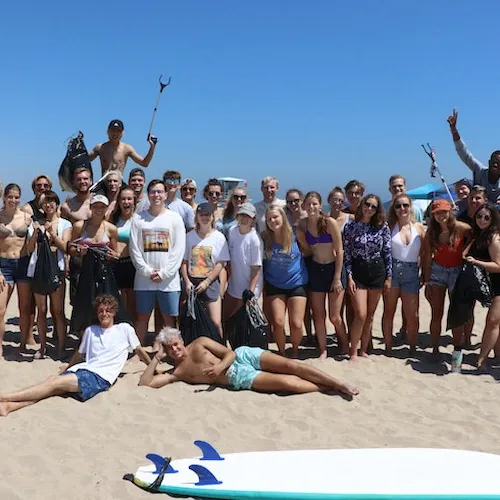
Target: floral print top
x=363, y=241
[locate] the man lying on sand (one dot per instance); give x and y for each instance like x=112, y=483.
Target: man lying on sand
x=205, y=361
x=105, y=349
x=115, y=153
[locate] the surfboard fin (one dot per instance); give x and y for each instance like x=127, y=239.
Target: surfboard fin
x=209, y=452
x=154, y=487
x=159, y=463
x=205, y=477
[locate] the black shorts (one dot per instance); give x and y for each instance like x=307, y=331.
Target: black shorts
x=298, y=291
x=124, y=272
x=369, y=274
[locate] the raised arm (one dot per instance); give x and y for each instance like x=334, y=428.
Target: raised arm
x=143, y=162
x=156, y=380
x=464, y=154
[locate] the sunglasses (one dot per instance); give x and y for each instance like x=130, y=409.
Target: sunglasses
x=172, y=181
x=188, y=190
x=484, y=217
x=398, y=206
x=214, y=193
x=239, y=197
x=293, y=201
x=337, y=200
x=371, y=206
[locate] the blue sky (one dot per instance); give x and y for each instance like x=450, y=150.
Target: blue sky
x=314, y=93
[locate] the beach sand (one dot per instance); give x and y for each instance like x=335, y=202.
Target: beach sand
x=63, y=448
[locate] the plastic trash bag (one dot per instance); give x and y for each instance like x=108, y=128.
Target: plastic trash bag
x=96, y=278
x=195, y=322
x=248, y=326
x=45, y=274
x=76, y=157
x=473, y=284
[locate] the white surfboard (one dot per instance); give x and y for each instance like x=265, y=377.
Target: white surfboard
x=397, y=473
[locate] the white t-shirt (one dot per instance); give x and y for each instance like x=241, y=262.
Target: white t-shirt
x=157, y=242
x=106, y=350
x=261, y=207
x=202, y=254
x=246, y=250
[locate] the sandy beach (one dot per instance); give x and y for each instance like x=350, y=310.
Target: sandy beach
x=61, y=447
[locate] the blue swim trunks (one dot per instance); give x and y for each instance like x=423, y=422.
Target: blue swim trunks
x=89, y=382
x=246, y=366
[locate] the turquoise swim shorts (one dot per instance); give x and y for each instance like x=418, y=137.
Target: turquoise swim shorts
x=245, y=368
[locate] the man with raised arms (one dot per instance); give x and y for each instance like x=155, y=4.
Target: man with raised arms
x=205, y=361
x=94, y=368
x=78, y=207
x=115, y=153
x=489, y=176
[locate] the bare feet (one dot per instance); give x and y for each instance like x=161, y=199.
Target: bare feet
x=40, y=354
x=4, y=409
x=363, y=354
x=323, y=355
x=349, y=389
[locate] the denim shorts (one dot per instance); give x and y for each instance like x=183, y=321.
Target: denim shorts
x=15, y=270
x=90, y=384
x=444, y=276
x=244, y=369
x=168, y=302
x=405, y=276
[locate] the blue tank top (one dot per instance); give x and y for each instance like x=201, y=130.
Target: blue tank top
x=123, y=229
x=284, y=270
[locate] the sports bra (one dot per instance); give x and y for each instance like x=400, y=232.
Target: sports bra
x=20, y=232
x=321, y=238
x=449, y=257
x=123, y=229
x=402, y=252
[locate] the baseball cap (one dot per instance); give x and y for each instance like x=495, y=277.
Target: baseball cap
x=465, y=182
x=247, y=209
x=189, y=181
x=137, y=171
x=440, y=205
x=116, y=124
x=99, y=198
x=204, y=208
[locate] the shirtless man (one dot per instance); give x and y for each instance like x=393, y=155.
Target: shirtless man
x=78, y=207
x=205, y=361
x=115, y=153
x=94, y=368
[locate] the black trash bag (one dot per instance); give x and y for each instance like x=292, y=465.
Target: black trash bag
x=195, y=322
x=248, y=326
x=96, y=278
x=473, y=284
x=47, y=275
x=76, y=157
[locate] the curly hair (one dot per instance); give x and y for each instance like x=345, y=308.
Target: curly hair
x=107, y=300
x=434, y=230
x=212, y=182
x=484, y=237
x=322, y=224
x=392, y=217
x=378, y=218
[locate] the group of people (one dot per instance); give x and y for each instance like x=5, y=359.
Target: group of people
x=290, y=252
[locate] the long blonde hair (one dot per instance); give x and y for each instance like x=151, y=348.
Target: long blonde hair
x=392, y=217
x=286, y=233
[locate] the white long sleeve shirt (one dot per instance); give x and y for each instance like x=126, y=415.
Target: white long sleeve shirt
x=157, y=242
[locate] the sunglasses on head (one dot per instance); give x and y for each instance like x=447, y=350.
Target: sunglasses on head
x=398, y=206
x=485, y=217
x=239, y=196
x=214, y=193
x=371, y=206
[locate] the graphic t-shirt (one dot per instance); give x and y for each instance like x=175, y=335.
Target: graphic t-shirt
x=202, y=254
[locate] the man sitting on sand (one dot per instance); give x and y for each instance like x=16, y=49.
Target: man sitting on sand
x=205, y=361
x=115, y=153
x=105, y=349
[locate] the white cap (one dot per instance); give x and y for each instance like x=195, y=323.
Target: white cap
x=99, y=198
x=188, y=181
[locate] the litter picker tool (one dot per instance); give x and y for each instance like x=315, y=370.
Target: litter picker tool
x=431, y=153
x=162, y=86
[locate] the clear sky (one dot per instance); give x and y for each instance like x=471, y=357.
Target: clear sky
x=312, y=92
